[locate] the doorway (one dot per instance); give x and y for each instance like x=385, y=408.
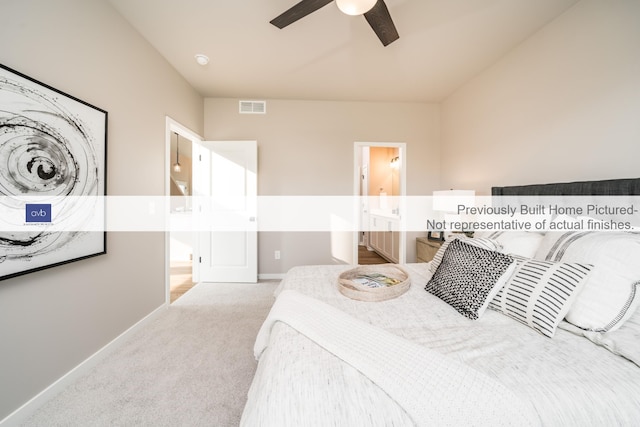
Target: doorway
x=179, y=274
x=380, y=186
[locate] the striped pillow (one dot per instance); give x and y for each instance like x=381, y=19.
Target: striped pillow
x=612, y=292
x=484, y=243
x=540, y=293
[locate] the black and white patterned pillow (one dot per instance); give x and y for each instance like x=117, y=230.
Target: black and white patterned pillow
x=485, y=243
x=469, y=277
x=540, y=293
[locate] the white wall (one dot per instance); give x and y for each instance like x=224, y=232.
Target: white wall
x=52, y=320
x=306, y=148
x=563, y=106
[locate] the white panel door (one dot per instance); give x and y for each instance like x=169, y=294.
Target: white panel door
x=225, y=190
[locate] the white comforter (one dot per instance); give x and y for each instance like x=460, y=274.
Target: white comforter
x=567, y=380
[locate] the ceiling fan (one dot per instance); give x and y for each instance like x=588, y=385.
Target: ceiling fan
x=375, y=12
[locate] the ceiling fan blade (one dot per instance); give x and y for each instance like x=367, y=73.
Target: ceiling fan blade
x=380, y=20
x=298, y=11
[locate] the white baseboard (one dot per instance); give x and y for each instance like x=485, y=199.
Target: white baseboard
x=23, y=413
x=271, y=276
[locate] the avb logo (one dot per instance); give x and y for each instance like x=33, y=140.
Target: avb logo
x=38, y=213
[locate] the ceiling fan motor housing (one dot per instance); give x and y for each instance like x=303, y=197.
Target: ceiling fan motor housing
x=375, y=12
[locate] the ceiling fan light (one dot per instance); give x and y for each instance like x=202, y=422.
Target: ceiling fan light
x=355, y=7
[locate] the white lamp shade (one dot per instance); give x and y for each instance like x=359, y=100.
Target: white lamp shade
x=448, y=200
x=355, y=7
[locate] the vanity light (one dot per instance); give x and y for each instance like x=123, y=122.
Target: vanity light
x=176, y=165
x=395, y=163
x=202, y=59
x=355, y=7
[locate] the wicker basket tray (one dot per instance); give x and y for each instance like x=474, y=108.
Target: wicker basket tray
x=350, y=286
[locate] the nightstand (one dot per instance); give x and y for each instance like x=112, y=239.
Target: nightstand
x=426, y=249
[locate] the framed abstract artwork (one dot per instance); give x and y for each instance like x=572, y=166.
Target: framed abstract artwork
x=52, y=176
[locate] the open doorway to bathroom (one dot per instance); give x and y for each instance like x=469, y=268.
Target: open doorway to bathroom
x=380, y=184
x=179, y=185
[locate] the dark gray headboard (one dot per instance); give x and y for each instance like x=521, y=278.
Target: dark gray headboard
x=612, y=187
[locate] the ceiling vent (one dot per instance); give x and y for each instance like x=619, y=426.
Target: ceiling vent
x=253, y=107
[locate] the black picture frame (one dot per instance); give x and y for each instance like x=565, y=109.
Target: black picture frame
x=436, y=236
x=53, y=175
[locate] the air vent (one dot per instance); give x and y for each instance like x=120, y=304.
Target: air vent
x=253, y=107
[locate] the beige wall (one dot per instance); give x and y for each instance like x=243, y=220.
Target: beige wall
x=52, y=320
x=306, y=148
x=563, y=106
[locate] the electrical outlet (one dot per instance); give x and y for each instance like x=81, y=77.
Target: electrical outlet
x=276, y=254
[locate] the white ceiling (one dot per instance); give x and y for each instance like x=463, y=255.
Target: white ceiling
x=331, y=56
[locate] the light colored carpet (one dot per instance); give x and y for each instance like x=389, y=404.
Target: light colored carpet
x=191, y=366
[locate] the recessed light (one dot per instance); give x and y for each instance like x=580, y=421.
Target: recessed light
x=202, y=59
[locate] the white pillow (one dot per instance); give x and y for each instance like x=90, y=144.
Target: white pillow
x=539, y=293
x=488, y=244
x=522, y=243
x=469, y=277
x=610, y=295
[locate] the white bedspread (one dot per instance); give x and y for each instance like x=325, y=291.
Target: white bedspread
x=568, y=380
x=406, y=371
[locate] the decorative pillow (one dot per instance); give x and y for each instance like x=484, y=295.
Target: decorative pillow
x=539, y=293
x=469, y=277
x=488, y=244
x=522, y=243
x=610, y=295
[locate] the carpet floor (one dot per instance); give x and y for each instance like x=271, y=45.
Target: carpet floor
x=190, y=366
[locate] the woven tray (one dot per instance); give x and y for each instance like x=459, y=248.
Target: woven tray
x=358, y=291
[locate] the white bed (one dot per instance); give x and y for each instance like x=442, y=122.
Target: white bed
x=490, y=371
